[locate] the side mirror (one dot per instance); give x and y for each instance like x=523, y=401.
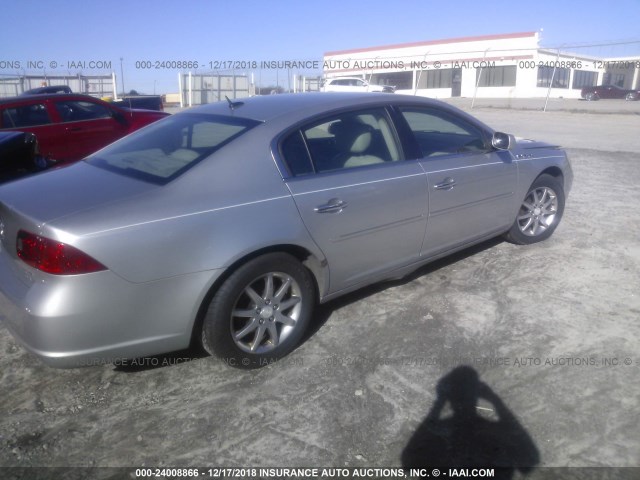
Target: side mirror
x=118, y=117
x=503, y=141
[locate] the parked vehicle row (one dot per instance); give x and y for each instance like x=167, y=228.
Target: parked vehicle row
x=353, y=84
x=226, y=224
x=69, y=127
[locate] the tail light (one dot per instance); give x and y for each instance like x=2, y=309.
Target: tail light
x=54, y=257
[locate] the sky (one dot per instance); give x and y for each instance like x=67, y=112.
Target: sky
x=57, y=36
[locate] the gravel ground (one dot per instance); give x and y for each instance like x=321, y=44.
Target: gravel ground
x=551, y=329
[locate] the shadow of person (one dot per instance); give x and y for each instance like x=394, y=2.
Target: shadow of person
x=465, y=439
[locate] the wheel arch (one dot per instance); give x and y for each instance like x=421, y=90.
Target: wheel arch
x=316, y=266
x=554, y=172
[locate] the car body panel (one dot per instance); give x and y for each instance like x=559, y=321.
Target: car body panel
x=166, y=247
x=84, y=137
x=482, y=183
x=92, y=319
x=384, y=211
x=69, y=190
x=544, y=158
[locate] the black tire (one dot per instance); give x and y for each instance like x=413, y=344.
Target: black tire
x=631, y=97
x=540, y=212
x=260, y=312
x=591, y=97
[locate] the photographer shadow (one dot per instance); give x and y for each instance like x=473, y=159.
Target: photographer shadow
x=466, y=439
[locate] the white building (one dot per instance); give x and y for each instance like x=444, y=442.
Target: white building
x=491, y=66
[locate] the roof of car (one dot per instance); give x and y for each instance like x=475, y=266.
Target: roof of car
x=270, y=107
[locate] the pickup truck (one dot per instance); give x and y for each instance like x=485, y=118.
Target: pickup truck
x=143, y=102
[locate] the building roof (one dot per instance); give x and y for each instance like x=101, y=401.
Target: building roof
x=481, y=38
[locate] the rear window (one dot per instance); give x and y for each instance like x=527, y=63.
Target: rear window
x=165, y=150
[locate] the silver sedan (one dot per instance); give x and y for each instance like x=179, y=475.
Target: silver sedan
x=226, y=224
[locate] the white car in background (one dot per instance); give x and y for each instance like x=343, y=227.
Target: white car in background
x=353, y=84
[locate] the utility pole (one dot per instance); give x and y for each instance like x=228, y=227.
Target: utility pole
x=122, y=76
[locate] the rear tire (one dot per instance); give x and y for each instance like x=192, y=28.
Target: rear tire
x=591, y=97
x=540, y=212
x=260, y=312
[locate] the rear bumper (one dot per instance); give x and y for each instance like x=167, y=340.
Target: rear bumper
x=72, y=321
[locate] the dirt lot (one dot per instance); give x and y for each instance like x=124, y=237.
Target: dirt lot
x=552, y=329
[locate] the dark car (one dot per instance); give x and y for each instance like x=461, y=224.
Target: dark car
x=48, y=89
x=71, y=126
x=19, y=155
x=609, y=91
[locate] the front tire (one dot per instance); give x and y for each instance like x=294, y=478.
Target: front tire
x=260, y=312
x=631, y=97
x=539, y=213
x=591, y=97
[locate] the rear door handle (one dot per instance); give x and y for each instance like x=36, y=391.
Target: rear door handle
x=447, y=184
x=335, y=205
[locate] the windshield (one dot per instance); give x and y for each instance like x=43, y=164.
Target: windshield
x=166, y=149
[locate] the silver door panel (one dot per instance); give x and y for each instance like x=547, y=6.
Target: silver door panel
x=365, y=220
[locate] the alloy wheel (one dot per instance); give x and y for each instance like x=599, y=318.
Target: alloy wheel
x=266, y=312
x=538, y=211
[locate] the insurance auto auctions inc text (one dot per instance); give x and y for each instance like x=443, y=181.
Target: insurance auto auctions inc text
x=373, y=472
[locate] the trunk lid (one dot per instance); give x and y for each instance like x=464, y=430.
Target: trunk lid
x=57, y=193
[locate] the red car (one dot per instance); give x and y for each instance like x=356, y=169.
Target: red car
x=71, y=126
x=609, y=91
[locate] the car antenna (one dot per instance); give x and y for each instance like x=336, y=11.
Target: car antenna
x=233, y=105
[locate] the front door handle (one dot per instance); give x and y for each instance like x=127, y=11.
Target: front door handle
x=447, y=184
x=335, y=205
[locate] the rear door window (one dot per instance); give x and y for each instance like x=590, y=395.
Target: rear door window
x=348, y=140
x=25, y=116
